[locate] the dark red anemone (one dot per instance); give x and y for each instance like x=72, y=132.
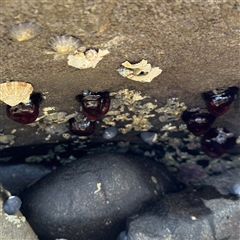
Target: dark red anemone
x=25, y=112
x=198, y=121
x=217, y=141
x=218, y=101
x=81, y=126
x=94, y=105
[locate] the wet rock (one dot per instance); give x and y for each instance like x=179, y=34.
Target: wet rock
x=16, y=177
x=15, y=226
x=12, y=205
x=185, y=215
x=91, y=198
x=224, y=182
x=179, y=36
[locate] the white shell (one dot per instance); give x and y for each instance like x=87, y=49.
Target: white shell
x=13, y=93
x=24, y=31
x=65, y=44
x=91, y=54
x=88, y=59
x=140, y=72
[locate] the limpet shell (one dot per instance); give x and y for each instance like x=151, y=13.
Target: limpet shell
x=24, y=31
x=65, y=44
x=13, y=93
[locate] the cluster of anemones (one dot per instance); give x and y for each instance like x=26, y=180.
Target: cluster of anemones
x=215, y=141
x=93, y=105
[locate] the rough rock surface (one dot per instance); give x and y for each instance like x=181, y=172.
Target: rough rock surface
x=195, y=43
x=185, y=215
x=222, y=182
x=91, y=197
x=14, y=227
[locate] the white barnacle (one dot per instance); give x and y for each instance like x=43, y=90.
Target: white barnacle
x=140, y=72
x=86, y=59
x=91, y=54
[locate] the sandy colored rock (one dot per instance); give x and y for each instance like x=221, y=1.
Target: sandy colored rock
x=196, y=44
x=15, y=226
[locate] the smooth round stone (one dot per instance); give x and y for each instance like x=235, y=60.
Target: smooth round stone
x=148, y=137
x=92, y=197
x=12, y=205
x=85, y=92
x=235, y=189
x=110, y=133
x=122, y=236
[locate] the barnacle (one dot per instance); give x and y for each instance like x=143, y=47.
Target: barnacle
x=172, y=110
x=130, y=100
x=86, y=59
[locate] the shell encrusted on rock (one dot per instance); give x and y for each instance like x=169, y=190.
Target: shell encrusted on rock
x=141, y=72
x=65, y=44
x=24, y=31
x=86, y=59
x=13, y=93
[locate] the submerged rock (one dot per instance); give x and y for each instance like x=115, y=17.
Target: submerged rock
x=197, y=214
x=91, y=198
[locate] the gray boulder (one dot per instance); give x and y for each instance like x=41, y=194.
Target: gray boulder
x=185, y=216
x=92, y=197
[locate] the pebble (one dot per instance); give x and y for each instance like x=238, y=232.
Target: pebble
x=235, y=189
x=122, y=236
x=12, y=205
x=110, y=133
x=149, y=137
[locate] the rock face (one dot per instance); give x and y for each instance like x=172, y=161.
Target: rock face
x=92, y=197
x=14, y=227
x=184, y=216
x=195, y=43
